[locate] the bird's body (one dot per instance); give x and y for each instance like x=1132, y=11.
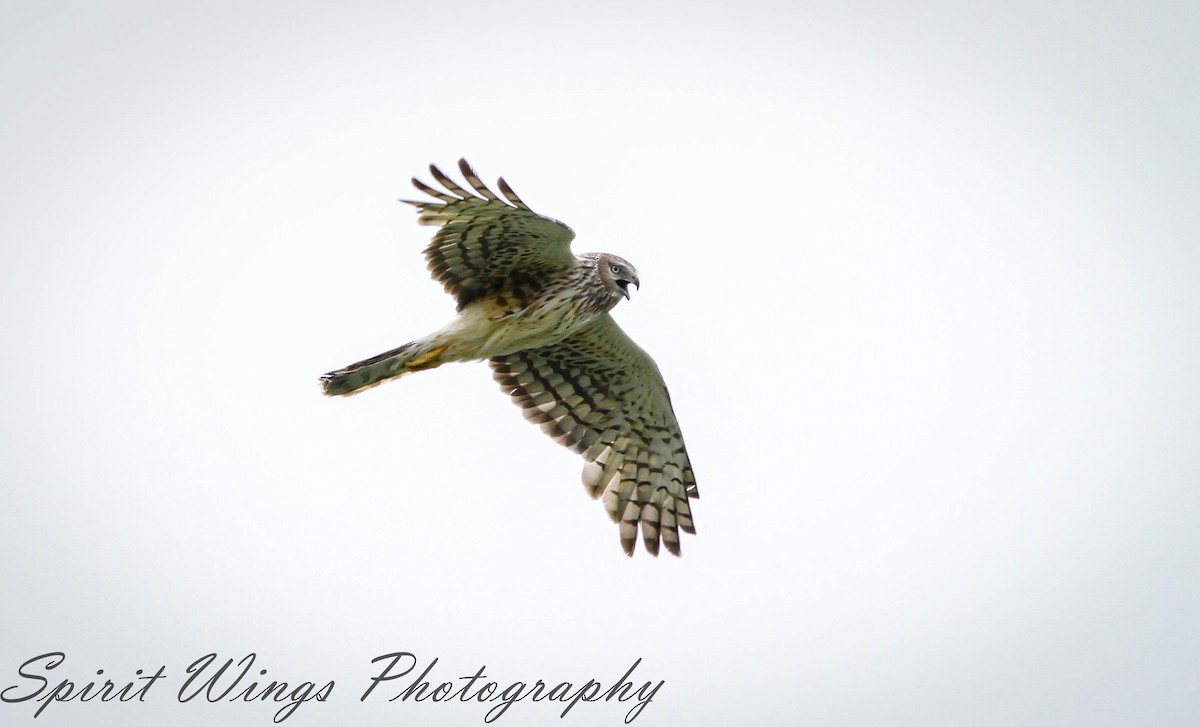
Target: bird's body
x=508, y=321
x=541, y=317
x=514, y=320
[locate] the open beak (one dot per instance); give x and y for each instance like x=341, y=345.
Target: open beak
x=625, y=286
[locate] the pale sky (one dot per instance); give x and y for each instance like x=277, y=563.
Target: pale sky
x=922, y=279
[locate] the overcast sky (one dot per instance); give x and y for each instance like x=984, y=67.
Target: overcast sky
x=922, y=279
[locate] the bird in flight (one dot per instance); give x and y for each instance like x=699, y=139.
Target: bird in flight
x=540, y=316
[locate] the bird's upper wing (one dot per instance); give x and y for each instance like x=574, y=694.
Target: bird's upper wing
x=487, y=244
x=600, y=394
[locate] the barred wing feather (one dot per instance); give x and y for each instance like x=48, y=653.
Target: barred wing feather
x=600, y=394
x=486, y=244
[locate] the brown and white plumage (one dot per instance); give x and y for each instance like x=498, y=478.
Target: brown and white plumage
x=540, y=315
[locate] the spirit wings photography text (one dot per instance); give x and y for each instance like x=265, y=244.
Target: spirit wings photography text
x=399, y=677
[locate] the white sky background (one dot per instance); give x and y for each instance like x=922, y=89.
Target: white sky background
x=922, y=279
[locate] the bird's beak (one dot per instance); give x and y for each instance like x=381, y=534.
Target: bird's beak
x=624, y=284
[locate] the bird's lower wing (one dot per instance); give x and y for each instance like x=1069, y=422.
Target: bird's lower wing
x=600, y=394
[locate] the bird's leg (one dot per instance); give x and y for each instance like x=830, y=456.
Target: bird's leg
x=427, y=360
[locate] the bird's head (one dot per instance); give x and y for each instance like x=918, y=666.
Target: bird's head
x=617, y=274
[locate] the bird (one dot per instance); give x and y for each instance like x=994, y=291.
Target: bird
x=540, y=315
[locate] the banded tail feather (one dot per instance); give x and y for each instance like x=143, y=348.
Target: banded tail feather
x=412, y=356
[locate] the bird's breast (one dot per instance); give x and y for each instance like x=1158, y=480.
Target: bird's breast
x=505, y=324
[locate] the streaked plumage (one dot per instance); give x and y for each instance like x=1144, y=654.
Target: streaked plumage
x=540, y=315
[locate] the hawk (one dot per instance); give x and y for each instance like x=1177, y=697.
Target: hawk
x=540, y=316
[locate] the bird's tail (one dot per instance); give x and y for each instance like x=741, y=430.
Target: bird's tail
x=426, y=353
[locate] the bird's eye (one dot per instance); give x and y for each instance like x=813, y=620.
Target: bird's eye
x=616, y=268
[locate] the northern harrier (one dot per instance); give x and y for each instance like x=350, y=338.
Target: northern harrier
x=540, y=315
